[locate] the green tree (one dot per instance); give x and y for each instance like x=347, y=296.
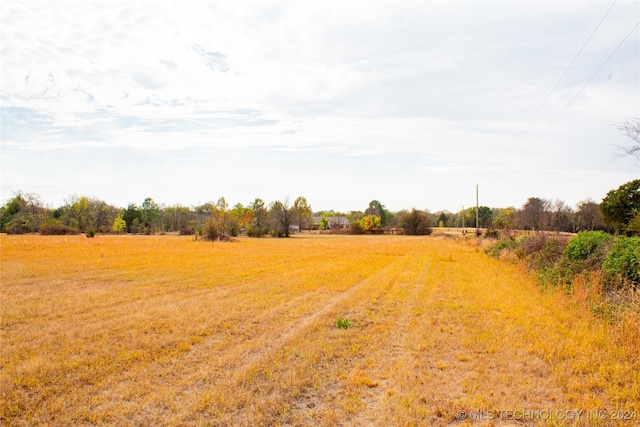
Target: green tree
x=11, y=209
x=260, y=213
x=87, y=214
x=119, y=224
x=238, y=218
x=76, y=213
x=485, y=216
x=618, y=205
x=634, y=224
x=442, y=219
x=258, y=219
x=150, y=215
x=324, y=222
x=378, y=209
x=503, y=218
x=132, y=216
x=23, y=214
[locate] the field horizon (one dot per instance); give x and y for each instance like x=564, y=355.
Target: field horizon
x=140, y=330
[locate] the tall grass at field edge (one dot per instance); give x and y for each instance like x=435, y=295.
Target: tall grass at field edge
x=596, y=271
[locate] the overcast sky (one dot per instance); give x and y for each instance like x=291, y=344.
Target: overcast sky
x=411, y=103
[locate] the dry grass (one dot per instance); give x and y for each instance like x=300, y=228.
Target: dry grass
x=167, y=330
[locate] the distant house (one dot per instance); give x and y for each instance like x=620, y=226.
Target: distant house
x=335, y=222
x=294, y=229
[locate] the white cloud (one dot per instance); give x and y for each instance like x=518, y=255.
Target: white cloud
x=455, y=82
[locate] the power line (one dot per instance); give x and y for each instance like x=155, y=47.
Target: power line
x=559, y=80
x=581, y=89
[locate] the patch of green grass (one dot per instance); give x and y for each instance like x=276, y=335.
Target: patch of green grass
x=342, y=323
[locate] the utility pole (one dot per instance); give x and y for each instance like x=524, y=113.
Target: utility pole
x=477, y=215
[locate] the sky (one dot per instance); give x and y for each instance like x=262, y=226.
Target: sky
x=412, y=103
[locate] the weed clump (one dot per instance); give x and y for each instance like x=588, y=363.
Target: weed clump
x=500, y=246
x=342, y=323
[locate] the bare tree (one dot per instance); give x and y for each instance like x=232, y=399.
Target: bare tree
x=560, y=216
x=535, y=214
x=415, y=223
x=302, y=213
x=589, y=216
x=281, y=216
x=631, y=129
x=221, y=211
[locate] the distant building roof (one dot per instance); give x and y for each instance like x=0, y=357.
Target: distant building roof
x=333, y=220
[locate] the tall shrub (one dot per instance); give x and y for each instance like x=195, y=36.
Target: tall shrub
x=622, y=264
x=588, y=249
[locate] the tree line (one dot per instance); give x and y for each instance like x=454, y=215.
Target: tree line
x=618, y=212
x=26, y=213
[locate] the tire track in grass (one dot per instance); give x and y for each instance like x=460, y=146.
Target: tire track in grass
x=225, y=348
x=238, y=351
x=466, y=359
x=249, y=375
x=305, y=322
x=146, y=378
x=173, y=316
x=87, y=320
x=346, y=379
x=437, y=329
x=443, y=352
x=390, y=353
x=295, y=329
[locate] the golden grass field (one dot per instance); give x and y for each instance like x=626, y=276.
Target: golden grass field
x=166, y=330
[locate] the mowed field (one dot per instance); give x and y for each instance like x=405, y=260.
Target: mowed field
x=166, y=330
